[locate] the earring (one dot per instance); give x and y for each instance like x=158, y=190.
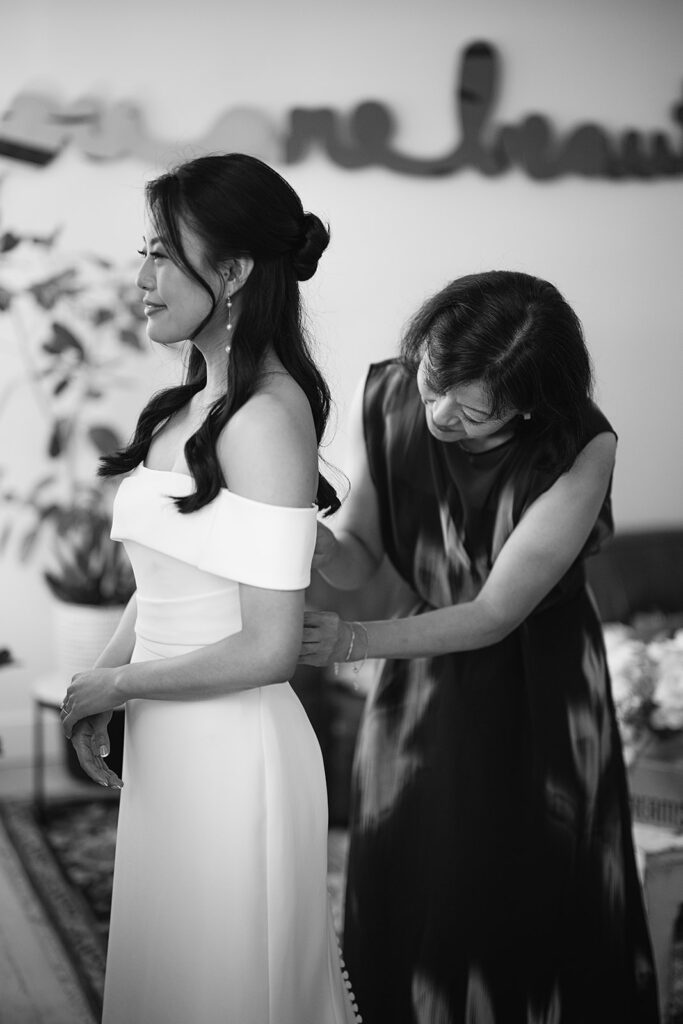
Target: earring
x=526, y=415
x=228, y=326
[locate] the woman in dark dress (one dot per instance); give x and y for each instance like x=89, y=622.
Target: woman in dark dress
x=492, y=877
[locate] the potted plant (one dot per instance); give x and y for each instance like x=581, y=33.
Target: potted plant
x=73, y=324
x=90, y=578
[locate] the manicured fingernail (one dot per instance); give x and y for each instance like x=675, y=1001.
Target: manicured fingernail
x=104, y=751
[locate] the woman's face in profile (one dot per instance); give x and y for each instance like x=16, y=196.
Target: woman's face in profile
x=174, y=303
x=462, y=412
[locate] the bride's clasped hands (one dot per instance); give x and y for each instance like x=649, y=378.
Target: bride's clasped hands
x=89, y=693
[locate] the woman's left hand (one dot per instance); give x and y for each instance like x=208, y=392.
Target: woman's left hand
x=89, y=693
x=326, y=639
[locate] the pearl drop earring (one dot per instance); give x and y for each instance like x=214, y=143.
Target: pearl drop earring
x=228, y=326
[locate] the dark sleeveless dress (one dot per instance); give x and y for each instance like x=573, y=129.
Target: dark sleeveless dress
x=492, y=877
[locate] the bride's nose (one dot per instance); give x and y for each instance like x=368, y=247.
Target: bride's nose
x=145, y=276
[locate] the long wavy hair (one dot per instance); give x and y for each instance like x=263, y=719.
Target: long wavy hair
x=237, y=206
x=517, y=336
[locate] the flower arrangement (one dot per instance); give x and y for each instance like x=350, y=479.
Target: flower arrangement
x=667, y=656
x=646, y=668
x=72, y=321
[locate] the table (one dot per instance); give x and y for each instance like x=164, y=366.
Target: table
x=660, y=861
x=656, y=785
x=48, y=693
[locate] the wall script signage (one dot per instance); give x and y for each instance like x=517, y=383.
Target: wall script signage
x=36, y=129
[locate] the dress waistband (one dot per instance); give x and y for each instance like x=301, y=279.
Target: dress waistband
x=190, y=621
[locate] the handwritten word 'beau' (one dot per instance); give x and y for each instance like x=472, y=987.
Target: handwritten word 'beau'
x=35, y=130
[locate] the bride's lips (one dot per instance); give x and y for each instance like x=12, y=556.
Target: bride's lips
x=150, y=308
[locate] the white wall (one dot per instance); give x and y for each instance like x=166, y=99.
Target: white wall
x=614, y=249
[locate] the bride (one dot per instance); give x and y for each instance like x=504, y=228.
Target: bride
x=219, y=910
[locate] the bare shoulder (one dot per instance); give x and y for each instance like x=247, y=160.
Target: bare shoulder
x=268, y=451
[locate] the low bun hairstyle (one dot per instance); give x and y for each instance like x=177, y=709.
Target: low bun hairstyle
x=315, y=239
x=237, y=206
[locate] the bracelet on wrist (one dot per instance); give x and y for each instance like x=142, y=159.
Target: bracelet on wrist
x=359, y=661
x=357, y=667
x=351, y=642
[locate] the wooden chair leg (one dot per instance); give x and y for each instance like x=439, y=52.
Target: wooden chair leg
x=38, y=763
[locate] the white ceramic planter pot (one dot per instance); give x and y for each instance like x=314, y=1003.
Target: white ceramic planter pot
x=81, y=633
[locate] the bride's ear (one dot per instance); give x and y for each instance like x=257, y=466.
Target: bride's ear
x=236, y=271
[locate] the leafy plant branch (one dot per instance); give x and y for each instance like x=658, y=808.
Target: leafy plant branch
x=71, y=318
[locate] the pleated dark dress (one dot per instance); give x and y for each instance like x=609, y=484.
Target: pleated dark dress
x=492, y=877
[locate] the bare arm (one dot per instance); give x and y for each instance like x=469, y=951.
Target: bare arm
x=349, y=553
x=539, y=551
x=120, y=648
x=264, y=651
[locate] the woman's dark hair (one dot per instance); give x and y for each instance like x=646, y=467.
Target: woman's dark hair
x=518, y=337
x=237, y=206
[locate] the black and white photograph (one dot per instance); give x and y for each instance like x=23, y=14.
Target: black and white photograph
x=341, y=512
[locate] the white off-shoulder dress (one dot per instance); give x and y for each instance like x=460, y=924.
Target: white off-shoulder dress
x=220, y=910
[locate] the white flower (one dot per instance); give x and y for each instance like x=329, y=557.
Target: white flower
x=667, y=656
x=631, y=671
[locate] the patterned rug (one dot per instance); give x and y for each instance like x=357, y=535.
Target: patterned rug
x=69, y=861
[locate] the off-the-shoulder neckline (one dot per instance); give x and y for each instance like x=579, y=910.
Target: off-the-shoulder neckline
x=176, y=472
x=167, y=472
